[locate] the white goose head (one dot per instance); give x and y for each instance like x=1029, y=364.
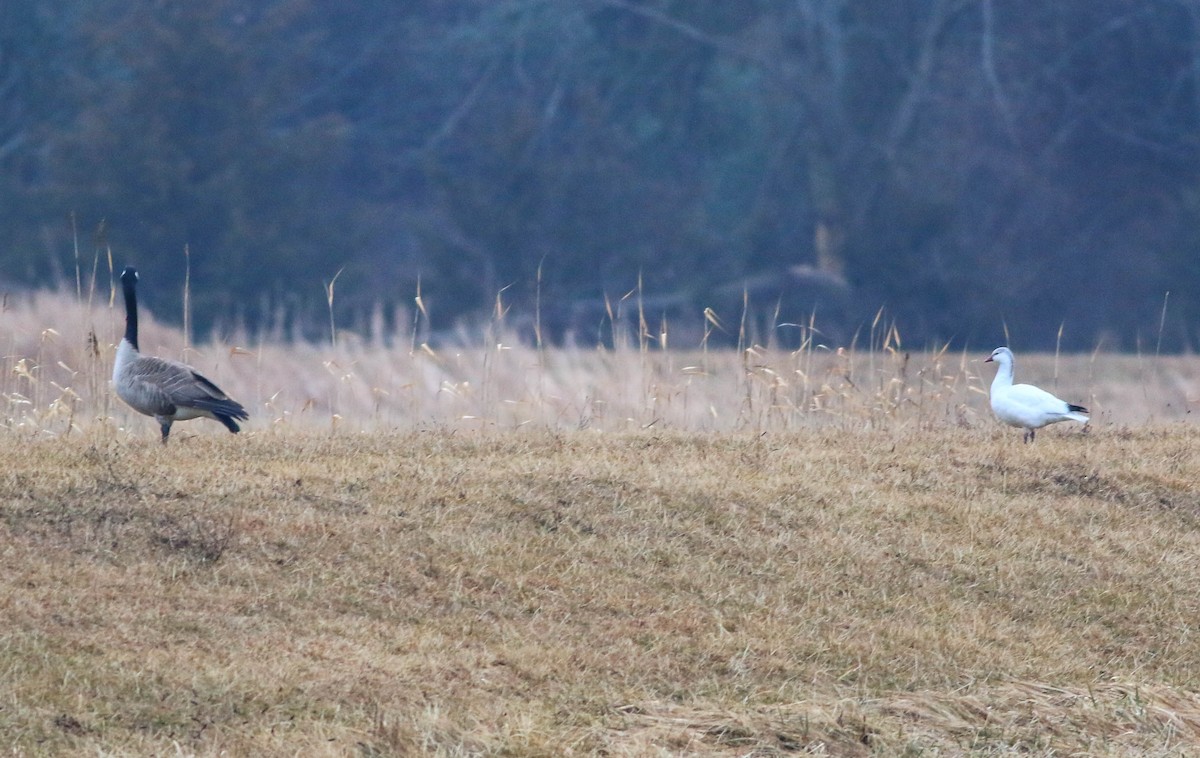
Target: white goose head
x=1001, y=355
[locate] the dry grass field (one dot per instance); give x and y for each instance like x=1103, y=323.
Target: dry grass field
x=538, y=593
x=593, y=552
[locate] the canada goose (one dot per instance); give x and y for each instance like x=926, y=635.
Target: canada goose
x=167, y=390
x=1024, y=405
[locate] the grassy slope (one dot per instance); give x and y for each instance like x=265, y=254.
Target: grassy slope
x=542, y=594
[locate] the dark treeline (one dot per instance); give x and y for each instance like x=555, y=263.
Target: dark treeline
x=964, y=164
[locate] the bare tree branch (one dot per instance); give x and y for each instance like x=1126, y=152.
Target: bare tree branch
x=691, y=32
x=452, y=120
x=940, y=16
x=987, y=56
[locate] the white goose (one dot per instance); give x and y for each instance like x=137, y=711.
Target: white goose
x=167, y=390
x=1024, y=405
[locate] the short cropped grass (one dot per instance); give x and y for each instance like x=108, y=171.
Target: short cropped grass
x=873, y=591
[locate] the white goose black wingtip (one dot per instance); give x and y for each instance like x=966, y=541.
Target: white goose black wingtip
x=1026, y=406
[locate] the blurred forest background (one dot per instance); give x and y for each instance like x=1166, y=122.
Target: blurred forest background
x=963, y=164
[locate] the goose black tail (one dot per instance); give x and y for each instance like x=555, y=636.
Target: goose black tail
x=228, y=421
x=228, y=412
x=1076, y=408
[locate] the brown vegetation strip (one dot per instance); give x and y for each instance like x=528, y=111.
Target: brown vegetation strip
x=534, y=593
x=58, y=353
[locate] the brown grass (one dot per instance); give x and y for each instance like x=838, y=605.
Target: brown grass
x=56, y=358
x=576, y=552
x=535, y=593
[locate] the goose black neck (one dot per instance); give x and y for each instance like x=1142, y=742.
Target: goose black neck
x=129, y=284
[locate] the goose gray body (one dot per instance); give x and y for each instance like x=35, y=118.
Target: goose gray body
x=169, y=391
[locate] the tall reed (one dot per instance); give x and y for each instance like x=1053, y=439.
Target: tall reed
x=58, y=350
